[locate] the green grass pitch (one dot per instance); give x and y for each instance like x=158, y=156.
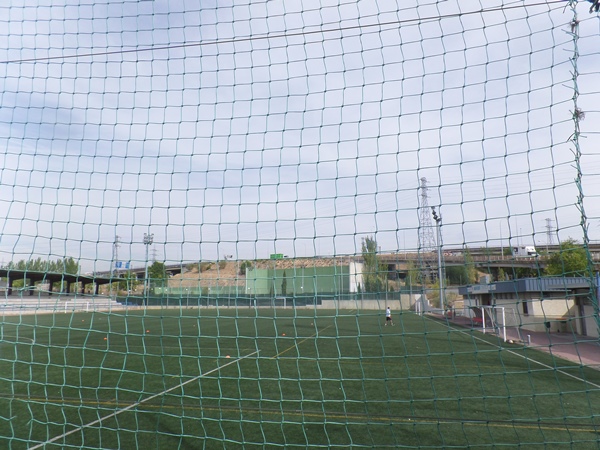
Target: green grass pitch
x=263, y=378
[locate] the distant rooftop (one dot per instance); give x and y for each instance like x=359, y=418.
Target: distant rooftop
x=541, y=284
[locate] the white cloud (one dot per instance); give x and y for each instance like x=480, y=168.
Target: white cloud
x=300, y=142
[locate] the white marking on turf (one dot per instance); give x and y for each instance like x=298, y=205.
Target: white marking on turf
x=17, y=339
x=135, y=405
x=296, y=344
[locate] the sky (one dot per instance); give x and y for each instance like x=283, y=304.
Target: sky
x=245, y=128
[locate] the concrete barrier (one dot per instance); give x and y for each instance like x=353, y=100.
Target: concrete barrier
x=56, y=304
x=406, y=303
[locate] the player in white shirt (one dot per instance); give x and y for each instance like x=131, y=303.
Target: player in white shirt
x=388, y=317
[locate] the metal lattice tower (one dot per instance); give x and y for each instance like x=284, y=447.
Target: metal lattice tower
x=115, y=257
x=426, y=237
x=549, y=231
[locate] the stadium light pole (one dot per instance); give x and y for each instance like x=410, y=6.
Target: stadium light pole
x=438, y=223
x=148, y=240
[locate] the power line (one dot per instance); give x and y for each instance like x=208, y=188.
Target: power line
x=290, y=34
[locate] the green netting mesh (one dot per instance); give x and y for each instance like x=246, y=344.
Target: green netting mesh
x=208, y=208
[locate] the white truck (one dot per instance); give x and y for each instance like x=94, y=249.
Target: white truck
x=524, y=251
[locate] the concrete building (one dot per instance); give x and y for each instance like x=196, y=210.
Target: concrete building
x=555, y=304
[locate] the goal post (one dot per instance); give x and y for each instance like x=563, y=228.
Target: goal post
x=500, y=320
x=491, y=322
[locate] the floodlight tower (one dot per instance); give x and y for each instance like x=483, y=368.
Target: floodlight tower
x=115, y=262
x=148, y=241
x=438, y=224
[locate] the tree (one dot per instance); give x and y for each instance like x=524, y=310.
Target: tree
x=524, y=272
x=157, y=273
x=244, y=266
x=570, y=261
x=470, y=269
x=457, y=275
x=501, y=274
x=373, y=272
x=129, y=282
x=464, y=274
x=66, y=265
x=203, y=267
x=413, y=275
x=433, y=295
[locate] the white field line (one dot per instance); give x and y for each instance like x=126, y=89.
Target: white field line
x=135, y=405
x=597, y=386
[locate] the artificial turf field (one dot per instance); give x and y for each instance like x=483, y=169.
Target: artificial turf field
x=265, y=378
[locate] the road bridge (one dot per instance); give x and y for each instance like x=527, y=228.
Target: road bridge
x=140, y=272
x=31, y=277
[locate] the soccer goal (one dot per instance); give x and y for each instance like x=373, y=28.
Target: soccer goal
x=500, y=320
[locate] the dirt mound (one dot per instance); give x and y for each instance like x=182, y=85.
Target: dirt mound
x=227, y=273
x=207, y=274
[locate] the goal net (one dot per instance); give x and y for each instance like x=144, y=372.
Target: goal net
x=209, y=207
x=503, y=321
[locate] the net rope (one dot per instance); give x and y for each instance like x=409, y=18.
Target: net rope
x=299, y=224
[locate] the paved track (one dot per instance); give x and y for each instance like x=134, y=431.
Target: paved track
x=584, y=350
